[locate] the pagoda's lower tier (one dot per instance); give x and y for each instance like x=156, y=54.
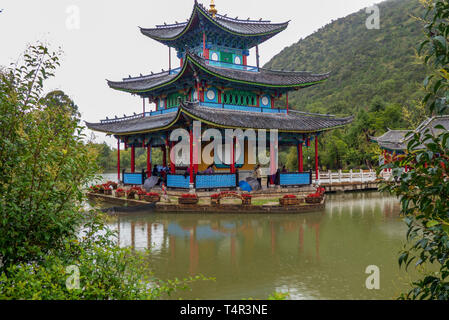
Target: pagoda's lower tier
x=233, y=160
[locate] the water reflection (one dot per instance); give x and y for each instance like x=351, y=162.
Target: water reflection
x=317, y=255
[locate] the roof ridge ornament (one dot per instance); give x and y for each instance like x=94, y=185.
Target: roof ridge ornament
x=213, y=11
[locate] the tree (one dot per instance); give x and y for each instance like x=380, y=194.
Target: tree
x=424, y=190
x=44, y=228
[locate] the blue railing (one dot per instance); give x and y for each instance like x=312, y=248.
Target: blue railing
x=175, y=71
x=178, y=181
x=203, y=104
x=159, y=112
x=296, y=179
x=217, y=180
x=133, y=178
x=242, y=108
x=231, y=65
x=203, y=181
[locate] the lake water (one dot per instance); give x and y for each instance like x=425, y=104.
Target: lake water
x=319, y=255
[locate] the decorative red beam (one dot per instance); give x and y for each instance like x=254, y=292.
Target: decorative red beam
x=316, y=158
x=172, y=158
x=191, y=157
x=205, y=51
x=118, y=160
x=233, y=156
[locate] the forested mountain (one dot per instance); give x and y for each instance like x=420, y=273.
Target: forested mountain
x=376, y=76
x=367, y=66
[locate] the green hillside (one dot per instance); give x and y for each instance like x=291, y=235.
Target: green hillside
x=367, y=66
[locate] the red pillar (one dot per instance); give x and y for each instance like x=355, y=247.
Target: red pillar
x=205, y=51
x=118, y=160
x=164, y=156
x=172, y=158
x=149, y=160
x=316, y=157
x=191, y=157
x=133, y=159
x=287, y=101
x=245, y=60
x=272, y=162
x=198, y=90
x=233, y=156
x=143, y=107
x=300, y=158
x=181, y=62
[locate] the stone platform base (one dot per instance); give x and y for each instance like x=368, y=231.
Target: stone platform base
x=206, y=208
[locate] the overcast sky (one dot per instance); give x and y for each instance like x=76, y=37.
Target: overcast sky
x=109, y=45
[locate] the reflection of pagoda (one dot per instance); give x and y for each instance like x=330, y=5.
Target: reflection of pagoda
x=215, y=85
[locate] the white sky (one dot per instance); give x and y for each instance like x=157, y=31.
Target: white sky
x=109, y=45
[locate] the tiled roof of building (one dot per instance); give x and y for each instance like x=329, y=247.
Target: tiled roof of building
x=264, y=77
x=235, y=26
x=398, y=139
x=292, y=122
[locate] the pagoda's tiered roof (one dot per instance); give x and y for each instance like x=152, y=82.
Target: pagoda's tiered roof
x=397, y=140
x=263, y=78
x=223, y=118
x=248, y=32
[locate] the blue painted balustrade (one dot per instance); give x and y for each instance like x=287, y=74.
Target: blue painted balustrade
x=178, y=181
x=133, y=178
x=217, y=180
x=296, y=179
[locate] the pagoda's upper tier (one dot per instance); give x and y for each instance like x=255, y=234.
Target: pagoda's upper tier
x=219, y=30
x=195, y=67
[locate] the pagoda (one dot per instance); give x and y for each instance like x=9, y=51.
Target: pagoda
x=214, y=85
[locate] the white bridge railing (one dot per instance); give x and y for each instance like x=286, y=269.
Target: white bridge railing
x=353, y=176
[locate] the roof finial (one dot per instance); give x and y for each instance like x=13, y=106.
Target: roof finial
x=212, y=9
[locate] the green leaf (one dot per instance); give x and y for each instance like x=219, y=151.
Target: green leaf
x=432, y=223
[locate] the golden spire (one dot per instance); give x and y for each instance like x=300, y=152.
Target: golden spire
x=212, y=9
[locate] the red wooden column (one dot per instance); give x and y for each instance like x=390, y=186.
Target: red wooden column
x=233, y=156
x=316, y=157
x=287, y=101
x=272, y=162
x=191, y=157
x=300, y=158
x=164, y=156
x=205, y=51
x=133, y=159
x=118, y=160
x=149, y=160
x=172, y=158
